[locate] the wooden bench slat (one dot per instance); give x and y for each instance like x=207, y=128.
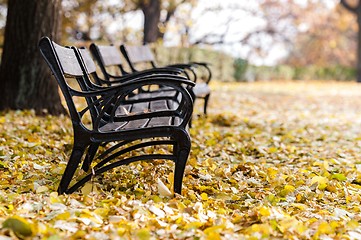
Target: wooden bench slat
x=201, y=89
x=111, y=55
x=68, y=61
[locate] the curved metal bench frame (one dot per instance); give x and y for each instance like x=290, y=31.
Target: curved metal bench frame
x=163, y=127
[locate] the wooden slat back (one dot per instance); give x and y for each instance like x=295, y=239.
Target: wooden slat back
x=111, y=55
x=139, y=54
x=68, y=60
x=88, y=60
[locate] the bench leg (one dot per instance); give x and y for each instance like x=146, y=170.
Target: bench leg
x=182, y=151
x=179, y=170
x=194, y=100
x=206, y=99
x=70, y=169
x=92, y=150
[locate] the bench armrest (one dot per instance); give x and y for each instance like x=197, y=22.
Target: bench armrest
x=149, y=72
x=169, y=70
x=110, y=98
x=111, y=102
x=145, y=80
x=200, y=63
x=181, y=65
x=206, y=66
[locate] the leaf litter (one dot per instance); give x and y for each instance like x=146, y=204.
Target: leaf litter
x=271, y=160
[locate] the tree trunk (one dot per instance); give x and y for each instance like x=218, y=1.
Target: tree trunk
x=151, y=10
x=25, y=79
x=359, y=45
x=356, y=9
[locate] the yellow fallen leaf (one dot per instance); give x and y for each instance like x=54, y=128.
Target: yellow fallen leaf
x=42, y=189
x=263, y=229
x=299, y=206
x=213, y=236
x=20, y=226
x=88, y=188
x=143, y=234
x=63, y=216
x=321, y=181
x=272, y=172
x=272, y=150
x=264, y=211
x=289, y=188
x=325, y=228
x=103, y=212
x=204, y=196
x=163, y=190
x=214, y=229
x=54, y=198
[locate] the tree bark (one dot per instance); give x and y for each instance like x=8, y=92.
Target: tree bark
x=25, y=79
x=151, y=10
x=358, y=68
x=356, y=10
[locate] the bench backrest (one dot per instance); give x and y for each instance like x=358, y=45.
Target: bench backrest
x=65, y=66
x=90, y=67
x=88, y=60
x=109, y=59
x=138, y=54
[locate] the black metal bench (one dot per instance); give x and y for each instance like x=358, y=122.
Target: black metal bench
x=149, y=100
x=136, y=55
x=110, y=62
x=129, y=132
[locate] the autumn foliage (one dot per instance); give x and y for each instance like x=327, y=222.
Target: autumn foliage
x=272, y=160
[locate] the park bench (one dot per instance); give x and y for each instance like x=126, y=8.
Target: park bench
x=110, y=62
x=142, y=55
x=149, y=100
x=128, y=133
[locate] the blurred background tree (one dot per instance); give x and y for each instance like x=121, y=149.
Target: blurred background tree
x=86, y=20
x=355, y=7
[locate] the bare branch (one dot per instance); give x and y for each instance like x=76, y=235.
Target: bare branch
x=349, y=7
x=221, y=38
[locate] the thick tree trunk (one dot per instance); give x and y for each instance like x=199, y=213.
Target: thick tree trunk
x=25, y=80
x=151, y=10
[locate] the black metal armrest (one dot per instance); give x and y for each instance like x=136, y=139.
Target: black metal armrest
x=169, y=70
x=206, y=66
x=181, y=65
x=149, y=73
x=145, y=80
x=200, y=63
x=111, y=102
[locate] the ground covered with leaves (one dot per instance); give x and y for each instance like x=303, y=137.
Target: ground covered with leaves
x=272, y=160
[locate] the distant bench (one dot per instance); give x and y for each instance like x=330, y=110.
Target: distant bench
x=137, y=55
x=157, y=99
x=130, y=131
